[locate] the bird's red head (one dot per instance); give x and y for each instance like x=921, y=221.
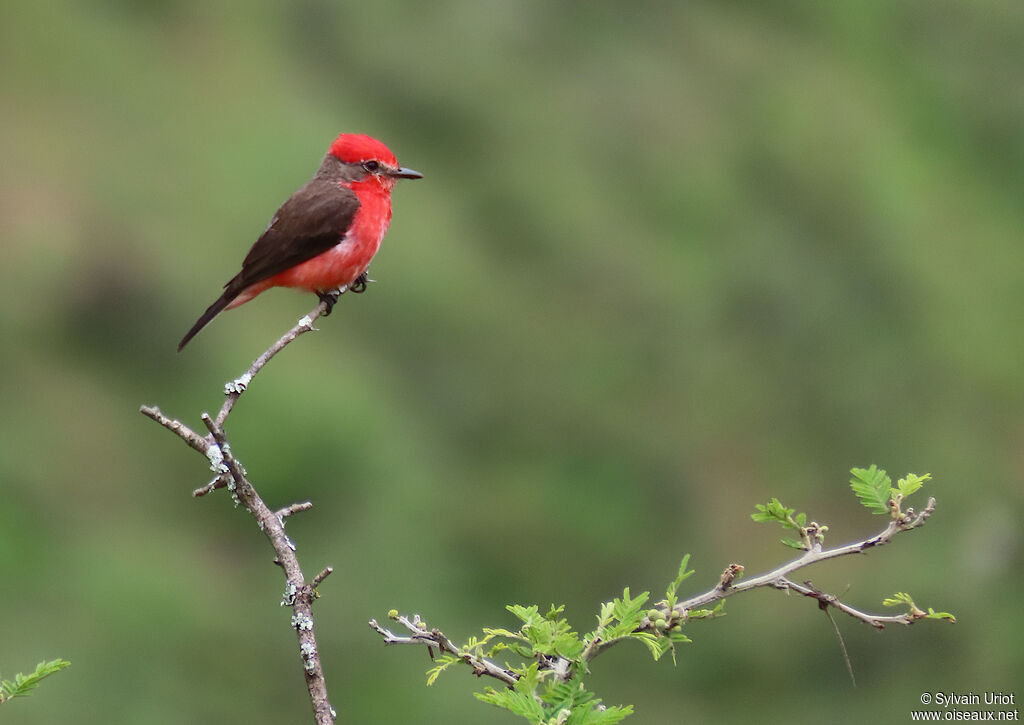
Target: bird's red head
x=353, y=148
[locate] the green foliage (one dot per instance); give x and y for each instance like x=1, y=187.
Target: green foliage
x=544, y=698
x=23, y=684
x=562, y=702
x=673, y=586
x=911, y=483
x=443, y=662
x=548, y=687
x=871, y=485
x=916, y=612
x=550, y=634
x=875, y=490
x=775, y=511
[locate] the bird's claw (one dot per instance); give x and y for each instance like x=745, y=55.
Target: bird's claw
x=329, y=299
x=359, y=285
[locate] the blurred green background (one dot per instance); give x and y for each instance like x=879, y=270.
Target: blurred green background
x=668, y=261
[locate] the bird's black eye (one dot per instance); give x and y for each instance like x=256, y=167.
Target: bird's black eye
x=371, y=166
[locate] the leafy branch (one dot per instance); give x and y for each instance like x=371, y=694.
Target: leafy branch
x=875, y=490
x=22, y=684
x=545, y=682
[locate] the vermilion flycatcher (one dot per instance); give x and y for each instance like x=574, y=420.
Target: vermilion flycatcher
x=325, y=235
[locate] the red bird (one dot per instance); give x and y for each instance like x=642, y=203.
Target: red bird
x=325, y=235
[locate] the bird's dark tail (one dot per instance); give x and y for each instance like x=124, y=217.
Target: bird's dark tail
x=212, y=311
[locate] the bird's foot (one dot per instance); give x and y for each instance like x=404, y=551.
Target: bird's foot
x=359, y=285
x=330, y=299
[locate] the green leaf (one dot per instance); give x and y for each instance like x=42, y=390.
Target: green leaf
x=548, y=634
x=873, y=487
x=529, y=678
x=932, y=614
x=567, y=695
x=897, y=599
x=590, y=714
x=522, y=650
x=443, y=662
x=554, y=613
x=497, y=632
x=772, y=511
x=23, y=684
x=911, y=483
x=521, y=699
x=518, y=703
x=628, y=612
x=604, y=617
x=657, y=645
x=673, y=586
x=528, y=615
x=792, y=543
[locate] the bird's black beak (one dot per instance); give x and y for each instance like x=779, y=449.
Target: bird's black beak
x=404, y=173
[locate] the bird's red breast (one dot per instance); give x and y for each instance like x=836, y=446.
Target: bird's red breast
x=342, y=264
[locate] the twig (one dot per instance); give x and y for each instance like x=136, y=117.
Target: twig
x=181, y=430
x=298, y=594
x=219, y=482
x=294, y=509
x=826, y=600
x=236, y=387
x=436, y=638
x=324, y=573
x=233, y=391
x=813, y=556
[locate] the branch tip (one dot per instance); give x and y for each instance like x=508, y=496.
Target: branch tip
x=294, y=509
x=324, y=573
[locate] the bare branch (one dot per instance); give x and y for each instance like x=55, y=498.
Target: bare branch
x=298, y=594
x=219, y=482
x=294, y=509
x=181, y=430
x=830, y=600
x=234, y=389
x=324, y=573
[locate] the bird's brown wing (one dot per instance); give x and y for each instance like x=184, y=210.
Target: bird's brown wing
x=312, y=221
